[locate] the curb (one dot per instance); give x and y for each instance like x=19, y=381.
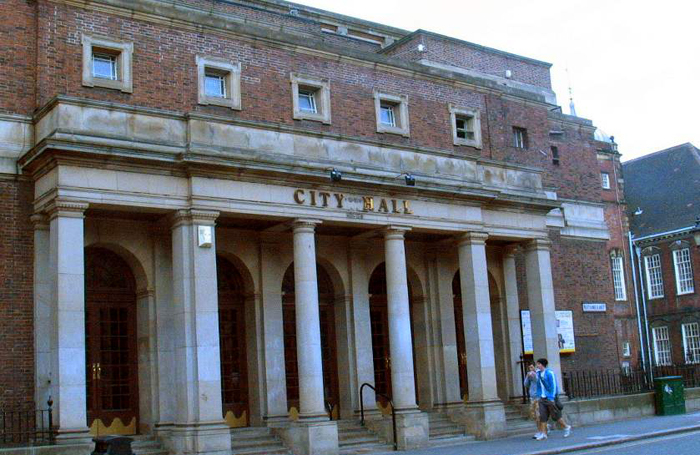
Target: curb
x=612, y=442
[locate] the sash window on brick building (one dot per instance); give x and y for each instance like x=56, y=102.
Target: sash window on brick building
x=655, y=282
x=662, y=346
x=691, y=342
x=618, y=278
x=684, y=271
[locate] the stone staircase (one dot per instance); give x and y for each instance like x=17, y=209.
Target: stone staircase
x=147, y=445
x=354, y=439
x=256, y=441
x=444, y=432
x=517, y=422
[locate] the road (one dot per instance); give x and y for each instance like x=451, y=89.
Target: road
x=679, y=444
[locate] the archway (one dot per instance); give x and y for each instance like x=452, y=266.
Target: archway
x=329, y=358
x=498, y=339
x=381, y=350
x=232, y=343
x=110, y=341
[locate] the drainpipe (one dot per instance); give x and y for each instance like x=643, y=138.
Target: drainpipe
x=636, y=302
x=644, y=310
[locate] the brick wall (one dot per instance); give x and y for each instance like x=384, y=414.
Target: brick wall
x=16, y=294
x=18, y=56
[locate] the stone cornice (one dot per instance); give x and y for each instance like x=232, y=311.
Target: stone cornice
x=194, y=216
x=538, y=245
x=472, y=238
x=67, y=209
x=187, y=16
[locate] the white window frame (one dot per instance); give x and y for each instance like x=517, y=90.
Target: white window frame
x=662, y=346
x=231, y=73
x=473, y=119
x=691, y=342
x=683, y=266
x=618, y=274
x=321, y=90
x=400, y=103
x=520, y=138
x=605, y=180
x=655, y=290
x=626, y=349
x=220, y=80
x=122, y=52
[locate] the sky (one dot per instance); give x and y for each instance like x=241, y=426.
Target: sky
x=633, y=65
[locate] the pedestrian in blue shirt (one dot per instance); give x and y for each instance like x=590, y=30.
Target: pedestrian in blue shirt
x=547, y=391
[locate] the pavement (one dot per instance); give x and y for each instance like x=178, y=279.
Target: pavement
x=582, y=438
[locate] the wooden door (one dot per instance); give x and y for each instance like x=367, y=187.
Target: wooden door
x=379, y=320
x=459, y=331
x=329, y=357
x=232, y=344
x=110, y=340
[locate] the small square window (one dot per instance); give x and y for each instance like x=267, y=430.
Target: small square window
x=520, y=138
x=311, y=98
x=466, y=126
x=605, y=180
x=388, y=116
x=555, y=156
x=107, y=63
x=219, y=82
x=391, y=113
x=307, y=100
x=104, y=65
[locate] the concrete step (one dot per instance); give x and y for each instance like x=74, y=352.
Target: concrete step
x=369, y=448
x=255, y=441
x=451, y=441
x=366, y=439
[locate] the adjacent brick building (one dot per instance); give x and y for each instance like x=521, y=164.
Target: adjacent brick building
x=129, y=129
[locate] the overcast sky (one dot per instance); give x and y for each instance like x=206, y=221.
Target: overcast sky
x=634, y=65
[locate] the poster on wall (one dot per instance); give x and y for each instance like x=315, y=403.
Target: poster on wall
x=565, y=331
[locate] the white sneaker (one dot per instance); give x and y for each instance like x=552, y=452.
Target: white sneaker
x=536, y=435
x=567, y=431
x=541, y=437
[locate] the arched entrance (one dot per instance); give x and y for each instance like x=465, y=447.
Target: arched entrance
x=498, y=342
x=110, y=341
x=232, y=344
x=326, y=297
x=379, y=319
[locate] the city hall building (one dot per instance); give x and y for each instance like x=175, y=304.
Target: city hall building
x=228, y=214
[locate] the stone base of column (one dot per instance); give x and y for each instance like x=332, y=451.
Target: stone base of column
x=213, y=438
x=485, y=420
x=276, y=421
x=73, y=436
x=311, y=438
x=412, y=429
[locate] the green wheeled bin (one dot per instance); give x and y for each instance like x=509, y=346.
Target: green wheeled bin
x=669, y=396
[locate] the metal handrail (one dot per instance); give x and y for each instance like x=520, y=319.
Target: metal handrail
x=31, y=427
x=329, y=409
x=362, y=409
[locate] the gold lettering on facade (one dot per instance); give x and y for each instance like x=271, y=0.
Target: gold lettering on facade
x=324, y=197
x=367, y=203
x=394, y=206
x=313, y=197
x=406, y=209
x=339, y=198
x=383, y=206
x=298, y=196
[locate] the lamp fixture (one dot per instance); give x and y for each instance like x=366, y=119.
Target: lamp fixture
x=336, y=176
x=410, y=179
x=638, y=212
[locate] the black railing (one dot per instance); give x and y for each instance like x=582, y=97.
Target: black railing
x=329, y=409
x=391, y=403
x=597, y=383
x=27, y=427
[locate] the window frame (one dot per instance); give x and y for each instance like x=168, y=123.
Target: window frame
x=122, y=51
x=605, y=180
x=321, y=90
x=689, y=279
x=520, y=139
x=231, y=73
x=618, y=259
x=555, y=155
x=647, y=259
x=668, y=359
x=696, y=344
x=400, y=103
x=471, y=115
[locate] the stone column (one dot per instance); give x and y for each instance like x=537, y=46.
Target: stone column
x=515, y=340
x=42, y=311
x=412, y=425
x=313, y=433
x=67, y=281
x=199, y=425
x=540, y=296
x=485, y=416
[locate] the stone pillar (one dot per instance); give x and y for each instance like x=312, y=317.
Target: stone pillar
x=313, y=433
x=199, y=425
x=42, y=311
x=67, y=281
x=515, y=340
x=485, y=415
x=412, y=425
x=540, y=296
